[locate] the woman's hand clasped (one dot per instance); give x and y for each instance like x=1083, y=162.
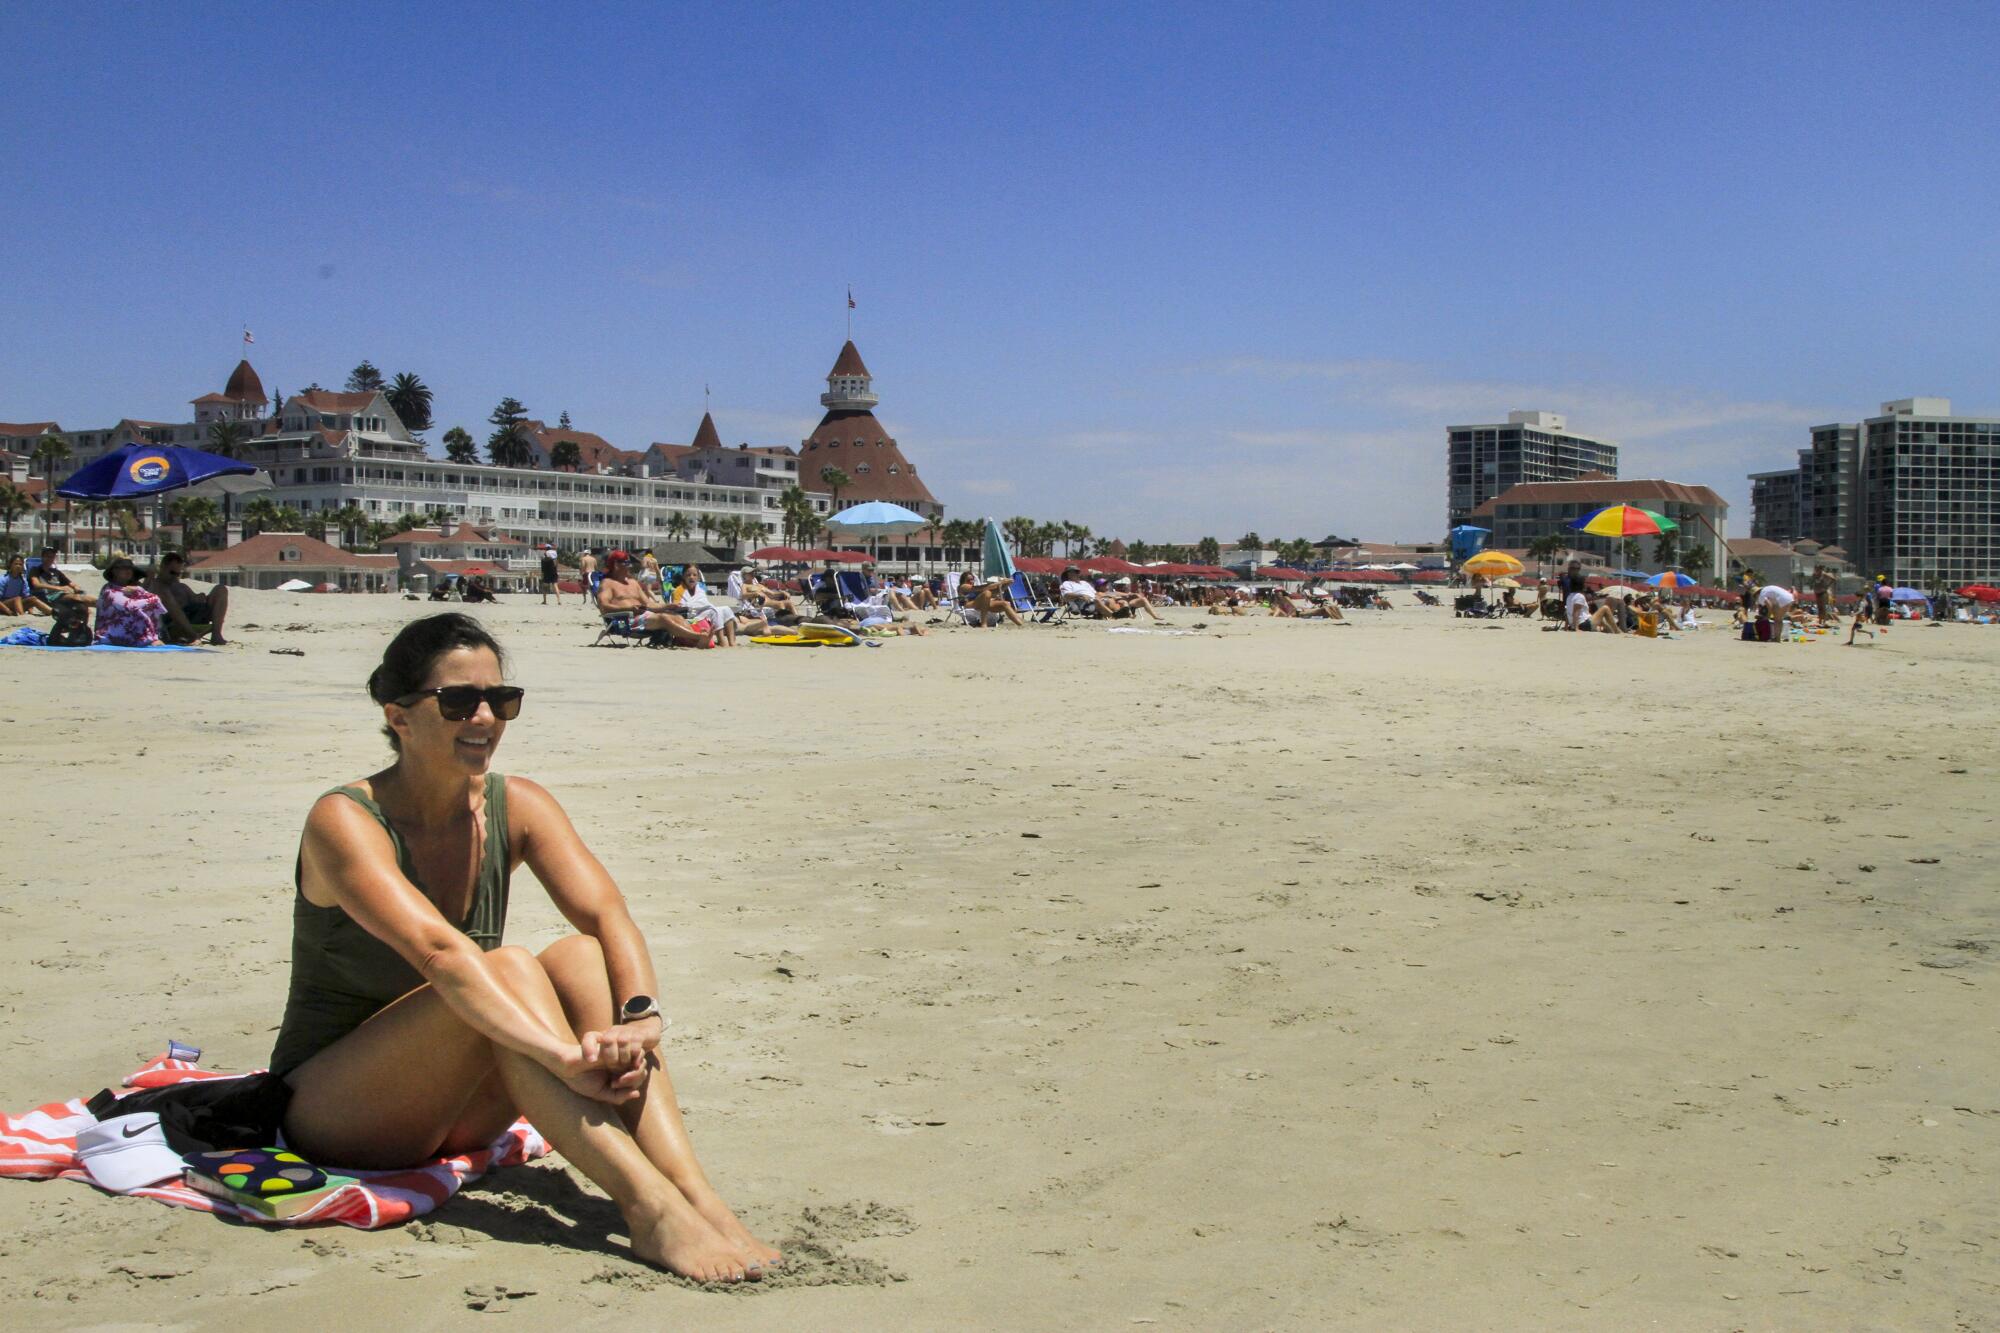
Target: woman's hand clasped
x=612, y=1065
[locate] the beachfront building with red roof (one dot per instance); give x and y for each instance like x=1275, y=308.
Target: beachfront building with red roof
x=850, y=439
x=325, y=450
x=1525, y=512
x=507, y=562
x=272, y=558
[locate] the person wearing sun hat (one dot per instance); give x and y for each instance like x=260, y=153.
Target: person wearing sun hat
x=128, y=616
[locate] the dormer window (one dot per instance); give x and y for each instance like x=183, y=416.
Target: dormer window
x=861, y=469
x=288, y=554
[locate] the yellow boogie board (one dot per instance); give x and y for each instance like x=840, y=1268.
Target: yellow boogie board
x=810, y=636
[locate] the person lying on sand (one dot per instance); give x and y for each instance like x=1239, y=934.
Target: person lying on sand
x=410, y=1031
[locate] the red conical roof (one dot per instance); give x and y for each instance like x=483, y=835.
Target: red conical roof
x=706, y=437
x=244, y=386
x=849, y=362
x=855, y=443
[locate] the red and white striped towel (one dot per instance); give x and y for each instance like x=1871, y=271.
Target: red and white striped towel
x=41, y=1145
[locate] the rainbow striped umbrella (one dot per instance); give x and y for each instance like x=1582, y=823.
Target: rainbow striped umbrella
x=1671, y=578
x=1624, y=521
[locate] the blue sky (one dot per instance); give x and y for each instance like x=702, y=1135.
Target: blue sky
x=1168, y=271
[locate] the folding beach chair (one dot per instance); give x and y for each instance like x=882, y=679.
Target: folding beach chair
x=854, y=593
x=1031, y=608
x=631, y=625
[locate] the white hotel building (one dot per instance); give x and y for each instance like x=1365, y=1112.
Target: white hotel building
x=325, y=450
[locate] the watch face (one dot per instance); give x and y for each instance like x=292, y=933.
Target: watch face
x=639, y=1006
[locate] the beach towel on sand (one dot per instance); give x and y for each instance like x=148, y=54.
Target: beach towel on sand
x=41, y=1145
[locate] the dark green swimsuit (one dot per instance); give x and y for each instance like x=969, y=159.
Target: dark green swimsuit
x=342, y=975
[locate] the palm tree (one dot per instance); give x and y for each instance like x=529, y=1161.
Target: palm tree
x=227, y=438
x=810, y=525
x=1250, y=542
x=1207, y=551
x=51, y=451
x=1546, y=547
x=351, y=519
x=1667, y=548
x=1138, y=551
x=442, y=518
x=566, y=457
x=260, y=515
x=13, y=505
x=198, y=516
x=1019, y=532
x=288, y=519
x=459, y=446
x=704, y=523
x=125, y=514
x=1699, y=559
x=1628, y=551
x=836, y=481
x=679, y=525
x=411, y=399
x=731, y=530
x=962, y=533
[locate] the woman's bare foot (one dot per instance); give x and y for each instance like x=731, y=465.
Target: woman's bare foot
x=716, y=1213
x=680, y=1240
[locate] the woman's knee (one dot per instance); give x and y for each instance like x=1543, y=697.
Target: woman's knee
x=573, y=951
x=520, y=971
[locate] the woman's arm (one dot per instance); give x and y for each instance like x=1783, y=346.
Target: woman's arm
x=582, y=890
x=347, y=854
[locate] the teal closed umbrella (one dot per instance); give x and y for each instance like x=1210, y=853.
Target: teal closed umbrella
x=999, y=561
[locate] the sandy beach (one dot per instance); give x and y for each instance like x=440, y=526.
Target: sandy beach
x=1419, y=973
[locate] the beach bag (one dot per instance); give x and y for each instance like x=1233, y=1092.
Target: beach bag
x=72, y=625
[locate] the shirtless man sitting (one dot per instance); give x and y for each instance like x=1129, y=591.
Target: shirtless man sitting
x=619, y=593
x=188, y=612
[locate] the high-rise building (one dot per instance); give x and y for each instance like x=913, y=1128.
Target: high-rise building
x=1774, y=505
x=1483, y=461
x=1913, y=493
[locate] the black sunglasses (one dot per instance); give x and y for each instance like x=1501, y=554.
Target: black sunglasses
x=457, y=703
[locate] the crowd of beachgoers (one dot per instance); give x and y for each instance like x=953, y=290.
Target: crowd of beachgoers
x=637, y=598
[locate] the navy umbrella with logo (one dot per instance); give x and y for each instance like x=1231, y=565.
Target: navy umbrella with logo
x=135, y=471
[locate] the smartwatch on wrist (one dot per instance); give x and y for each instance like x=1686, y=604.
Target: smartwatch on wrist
x=638, y=1007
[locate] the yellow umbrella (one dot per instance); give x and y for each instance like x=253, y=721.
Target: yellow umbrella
x=1492, y=563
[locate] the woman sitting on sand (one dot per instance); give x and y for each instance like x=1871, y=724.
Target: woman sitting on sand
x=409, y=1032
x=17, y=596
x=127, y=615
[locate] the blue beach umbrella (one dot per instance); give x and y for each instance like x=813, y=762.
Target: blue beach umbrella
x=877, y=518
x=1671, y=578
x=137, y=471
x=998, y=559
x=1468, y=541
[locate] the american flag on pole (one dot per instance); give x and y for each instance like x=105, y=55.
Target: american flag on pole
x=850, y=298
x=247, y=339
